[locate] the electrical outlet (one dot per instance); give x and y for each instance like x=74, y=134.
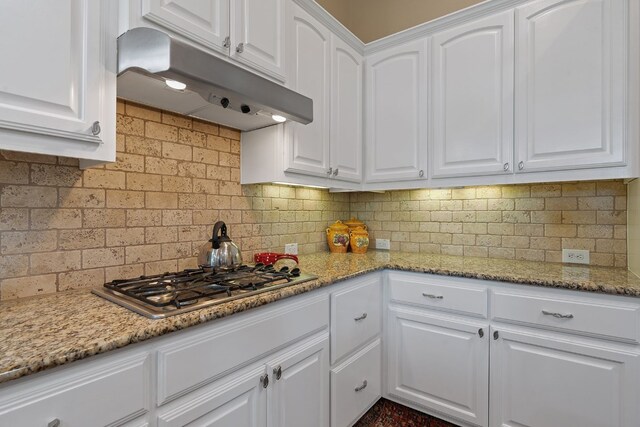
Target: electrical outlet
x=575, y=256
x=383, y=244
x=291, y=248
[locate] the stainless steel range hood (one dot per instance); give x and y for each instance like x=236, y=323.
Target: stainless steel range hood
x=215, y=90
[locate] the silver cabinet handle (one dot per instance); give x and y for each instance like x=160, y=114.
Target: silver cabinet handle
x=521, y=165
x=240, y=48
x=480, y=332
x=95, y=128
x=335, y=172
x=277, y=372
x=496, y=335
x=264, y=380
x=54, y=423
x=432, y=296
x=361, y=387
x=330, y=171
x=557, y=315
x=364, y=316
x=421, y=173
x=227, y=42
x=506, y=167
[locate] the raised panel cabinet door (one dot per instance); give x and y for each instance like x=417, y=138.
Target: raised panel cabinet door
x=440, y=364
x=571, y=80
x=55, y=78
x=541, y=380
x=309, y=64
x=346, y=112
x=204, y=22
x=257, y=35
x=396, y=113
x=299, y=389
x=472, y=102
x=240, y=400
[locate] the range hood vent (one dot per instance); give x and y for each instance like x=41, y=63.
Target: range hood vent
x=208, y=87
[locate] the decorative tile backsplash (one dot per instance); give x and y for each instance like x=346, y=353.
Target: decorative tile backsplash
x=63, y=228
x=527, y=222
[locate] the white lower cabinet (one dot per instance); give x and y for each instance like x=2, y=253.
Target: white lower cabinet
x=291, y=389
x=439, y=363
x=356, y=384
x=543, y=379
x=104, y=392
x=299, y=390
x=563, y=359
x=239, y=401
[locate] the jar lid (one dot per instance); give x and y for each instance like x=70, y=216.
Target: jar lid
x=354, y=222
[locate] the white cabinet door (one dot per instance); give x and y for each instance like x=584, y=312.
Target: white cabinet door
x=571, y=67
x=540, y=380
x=396, y=113
x=57, y=78
x=204, y=22
x=299, y=394
x=239, y=400
x=309, y=64
x=346, y=112
x=257, y=35
x=439, y=364
x=472, y=103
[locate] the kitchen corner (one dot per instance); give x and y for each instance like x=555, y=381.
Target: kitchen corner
x=458, y=202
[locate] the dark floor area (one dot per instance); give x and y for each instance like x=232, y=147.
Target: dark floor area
x=390, y=414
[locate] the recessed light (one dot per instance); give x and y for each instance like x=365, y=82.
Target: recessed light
x=278, y=118
x=174, y=84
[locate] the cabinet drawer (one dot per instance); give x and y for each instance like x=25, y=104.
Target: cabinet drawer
x=104, y=394
x=350, y=396
x=584, y=315
x=187, y=364
x=438, y=293
x=355, y=315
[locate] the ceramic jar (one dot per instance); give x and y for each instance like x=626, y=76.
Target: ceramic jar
x=338, y=237
x=354, y=223
x=359, y=240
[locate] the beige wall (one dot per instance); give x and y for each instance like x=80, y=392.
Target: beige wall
x=634, y=226
x=63, y=228
x=374, y=19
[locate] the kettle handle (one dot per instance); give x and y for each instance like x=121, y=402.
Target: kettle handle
x=219, y=227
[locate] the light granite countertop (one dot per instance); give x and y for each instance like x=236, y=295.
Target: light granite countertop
x=43, y=332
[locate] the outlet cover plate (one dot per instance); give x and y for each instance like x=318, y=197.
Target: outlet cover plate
x=291, y=248
x=383, y=244
x=575, y=256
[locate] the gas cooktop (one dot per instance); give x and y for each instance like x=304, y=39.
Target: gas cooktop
x=169, y=294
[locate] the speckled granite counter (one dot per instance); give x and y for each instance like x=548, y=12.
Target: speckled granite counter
x=42, y=332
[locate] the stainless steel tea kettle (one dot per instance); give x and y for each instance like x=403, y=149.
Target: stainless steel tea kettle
x=220, y=252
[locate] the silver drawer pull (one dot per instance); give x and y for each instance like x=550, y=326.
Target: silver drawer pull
x=558, y=315
x=361, y=387
x=364, y=316
x=54, y=423
x=432, y=296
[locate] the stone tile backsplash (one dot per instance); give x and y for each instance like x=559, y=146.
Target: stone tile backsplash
x=64, y=228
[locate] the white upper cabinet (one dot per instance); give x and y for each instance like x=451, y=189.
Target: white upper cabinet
x=472, y=102
x=249, y=31
x=57, y=79
x=571, y=84
x=257, y=34
x=204, y=22
x=309, y=62
x=346, y=112
x=396, y=113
